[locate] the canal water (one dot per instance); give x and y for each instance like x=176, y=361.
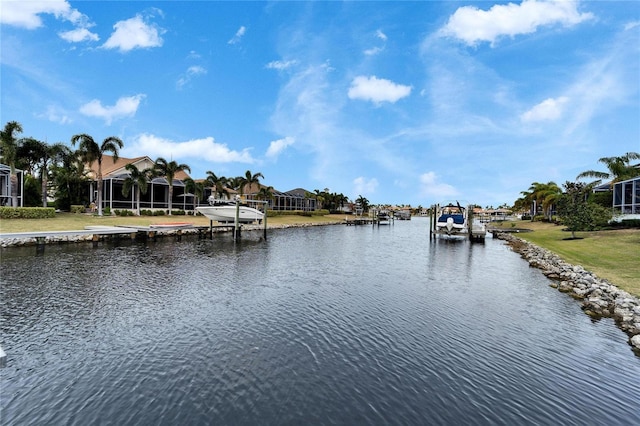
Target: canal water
x=320, y=325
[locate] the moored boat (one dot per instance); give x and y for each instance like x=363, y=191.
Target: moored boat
x=225, y=211
x=452, y=219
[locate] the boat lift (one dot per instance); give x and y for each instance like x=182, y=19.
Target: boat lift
x=475, y=230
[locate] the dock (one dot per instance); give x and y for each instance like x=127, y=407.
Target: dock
x=96, y=234
x=366, y=221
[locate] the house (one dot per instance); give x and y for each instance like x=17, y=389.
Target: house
x=626, y=198
x=5, y=186
x=114, y=175
x=156, y=197
x=295, y=199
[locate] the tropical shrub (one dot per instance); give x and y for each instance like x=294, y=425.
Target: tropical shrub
x=27, y=212
x=77, y=209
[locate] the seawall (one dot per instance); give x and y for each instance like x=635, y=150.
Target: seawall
x=159, y=233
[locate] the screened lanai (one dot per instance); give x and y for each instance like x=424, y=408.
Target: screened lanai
x=626, y=196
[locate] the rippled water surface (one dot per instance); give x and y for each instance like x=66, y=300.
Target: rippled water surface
x=323, y=325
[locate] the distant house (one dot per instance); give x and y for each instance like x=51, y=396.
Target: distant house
x=295, y=199
x=156, y=197
x=5, y=186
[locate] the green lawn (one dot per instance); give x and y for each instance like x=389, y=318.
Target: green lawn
x=613, y=255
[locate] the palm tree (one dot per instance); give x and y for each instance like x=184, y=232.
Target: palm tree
x=9, y=148
x=340, y=200
x=168, y=169
x=137, y=179
x=545, y=195
x=197, y=188
x=265, y=193
x=619, y=169
x=51, y=155
x=69, y=178
x=34, y=154
x=319, y=198
x=90, y=151
x=249, y=179
x=219, y=184
x=363, y=202
x=236, y=183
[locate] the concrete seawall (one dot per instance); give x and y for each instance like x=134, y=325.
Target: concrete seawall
x=7, y=242
x=599, y=298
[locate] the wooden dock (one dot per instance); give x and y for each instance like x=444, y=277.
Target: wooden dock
x=366, y=221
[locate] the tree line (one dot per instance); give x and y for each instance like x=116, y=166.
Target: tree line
x=577, y=205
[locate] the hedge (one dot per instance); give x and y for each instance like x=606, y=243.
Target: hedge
x=27, y=212
x=273, y=213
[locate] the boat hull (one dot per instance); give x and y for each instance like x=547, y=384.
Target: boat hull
x=228, y=213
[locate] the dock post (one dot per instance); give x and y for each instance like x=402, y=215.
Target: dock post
x=236, y=228
x=3, y=358
x=40, y=244
x=265, y=222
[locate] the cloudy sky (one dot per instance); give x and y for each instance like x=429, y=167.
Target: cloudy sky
x=400, y=102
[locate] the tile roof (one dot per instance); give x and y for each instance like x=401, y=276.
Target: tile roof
x=110, y=167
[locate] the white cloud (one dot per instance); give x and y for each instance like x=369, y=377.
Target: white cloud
x=134, y=33
x=375, y=50
x=25, y=14
x=281, y=65
x=203, y=149
x=124, y=107
x=547, y=110
x=362, y=185
x=472, y=25
x=191, y=72
x=78, y=35
x=377, y=89
x=429, y=186
x=277, y=146
x=56, y=115
x=238, y=36
x=631, y=25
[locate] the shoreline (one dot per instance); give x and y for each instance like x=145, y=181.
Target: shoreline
x=83, y=236
x=599, y=298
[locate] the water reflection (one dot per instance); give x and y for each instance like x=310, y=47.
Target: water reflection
x=325, y=325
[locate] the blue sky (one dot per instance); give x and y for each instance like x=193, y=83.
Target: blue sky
x=400, y=102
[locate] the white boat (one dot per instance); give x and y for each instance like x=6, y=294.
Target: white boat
x=383, y=218
x=452, y=220
x=225, y=211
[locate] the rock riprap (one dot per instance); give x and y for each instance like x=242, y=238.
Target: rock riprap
x=599, y=297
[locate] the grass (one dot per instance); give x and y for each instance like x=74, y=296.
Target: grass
x=612, y=254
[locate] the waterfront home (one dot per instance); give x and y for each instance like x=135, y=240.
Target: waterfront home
x=113, y=176
x=626, y=198
x=5, y=186
x=295, y=199
x=156, y=197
